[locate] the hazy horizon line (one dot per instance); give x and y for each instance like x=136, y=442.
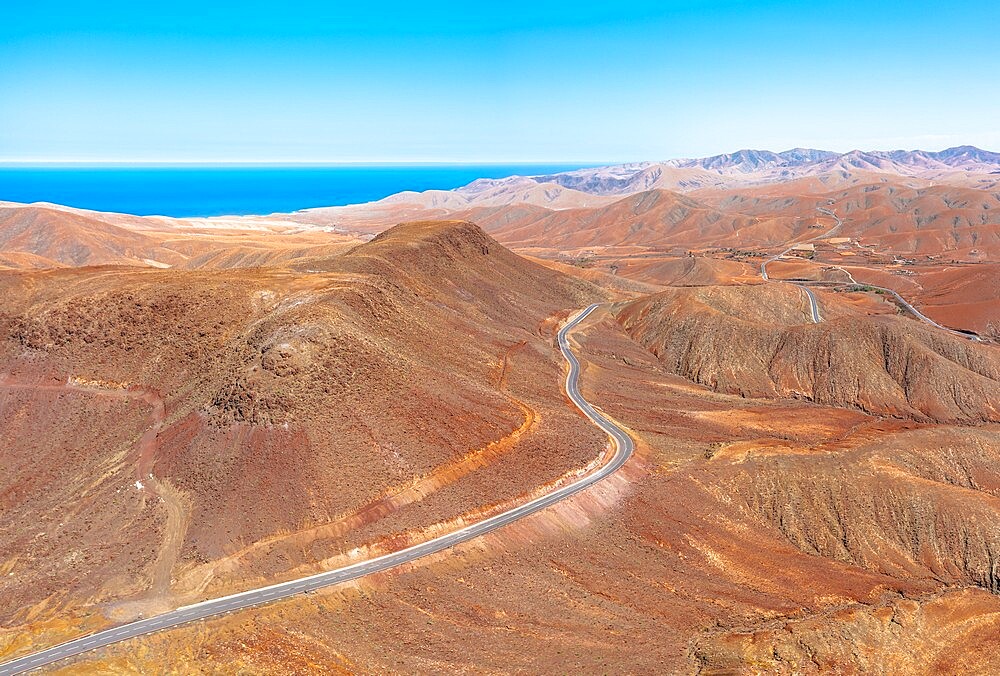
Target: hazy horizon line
x=17, y=163
x=311, y=163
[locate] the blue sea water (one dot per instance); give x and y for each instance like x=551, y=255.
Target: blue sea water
x=236, y=190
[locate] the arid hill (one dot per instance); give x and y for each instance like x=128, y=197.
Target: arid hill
x=215, y=429
x=686, y=270
x=254, y=255
x=18, y=260
x=508, y=195
x=756, y=341
x=511, y=191
x=747, y=534
x=73, y=239
x=940, y=220
x=891, y=215
x=291, y=397
x=967, y=296
x=51, y=236
x=655, y=218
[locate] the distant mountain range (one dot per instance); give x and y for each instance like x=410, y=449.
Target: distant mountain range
x=709, y=196
x=967, y=158
x=763, y=166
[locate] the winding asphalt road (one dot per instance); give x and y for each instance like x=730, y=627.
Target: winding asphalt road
x=763, y=265
x=814, y=308
x=917, y=313
x=914, y=311
x=813, y=305
x=623, y=448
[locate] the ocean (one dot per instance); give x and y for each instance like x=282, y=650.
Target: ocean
x=237, y=190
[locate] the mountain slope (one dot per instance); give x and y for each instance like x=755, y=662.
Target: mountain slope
x=655, y=218
x=755, y=341
x=753, y=167
x=74, y=239
x=296, y=416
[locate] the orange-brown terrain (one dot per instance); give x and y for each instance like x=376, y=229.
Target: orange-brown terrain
x=268, y=454
x=295, y=393
x=49, y=236
x=924, y=224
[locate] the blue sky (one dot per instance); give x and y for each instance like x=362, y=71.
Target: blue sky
x=491, y=82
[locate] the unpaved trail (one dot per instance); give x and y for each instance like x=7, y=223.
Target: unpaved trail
x=154, y=489
x=172, y=500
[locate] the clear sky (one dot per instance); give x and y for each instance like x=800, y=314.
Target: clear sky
x=491, y=82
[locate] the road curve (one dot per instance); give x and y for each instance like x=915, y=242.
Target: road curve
x=813, y=304
x=763, y=265
x=909, y=307
x=623, y=448
x=814, y=308
x=920, y=315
